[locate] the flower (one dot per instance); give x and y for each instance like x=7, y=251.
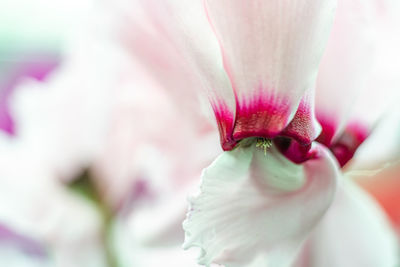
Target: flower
x=276, y=196
x=42, y=221
x=258, y=63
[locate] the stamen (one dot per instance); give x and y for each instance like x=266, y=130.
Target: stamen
x=264, y=143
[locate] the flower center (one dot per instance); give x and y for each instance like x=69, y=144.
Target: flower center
x=264, y=143
x=259, y=142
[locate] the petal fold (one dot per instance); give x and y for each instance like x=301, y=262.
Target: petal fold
x=257, y=207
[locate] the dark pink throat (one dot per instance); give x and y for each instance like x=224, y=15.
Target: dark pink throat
x=294, y=139
x=264, y=120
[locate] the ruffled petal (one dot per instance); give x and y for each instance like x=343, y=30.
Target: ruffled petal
x=353, y=233
x=255, y=207
x=271, y=51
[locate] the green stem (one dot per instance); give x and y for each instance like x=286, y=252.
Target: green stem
x=84, y=186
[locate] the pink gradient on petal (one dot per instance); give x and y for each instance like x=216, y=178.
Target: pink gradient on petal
x=262, y=117
x=225, y=121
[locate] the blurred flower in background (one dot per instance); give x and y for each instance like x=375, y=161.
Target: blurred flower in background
x=106, y=128
x=42, y=222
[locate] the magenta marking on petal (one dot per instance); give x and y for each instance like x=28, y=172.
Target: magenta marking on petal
x=344, y=145
x=225, y=121
x=261, y=116
x=329, y=128
x=302, y=128
x=348, y=142
x=293, y=150
x=26, y=244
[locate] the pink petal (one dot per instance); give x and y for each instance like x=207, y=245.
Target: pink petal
x=271, y=51
x=256, y=208
x=175, y=42
x=357, y=82
x=348, y=142
x=346, y=66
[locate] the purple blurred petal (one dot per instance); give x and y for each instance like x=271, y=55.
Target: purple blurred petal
x=34, y=66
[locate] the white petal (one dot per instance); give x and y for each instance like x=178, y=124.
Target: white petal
x=354, y=233
x=254, y=207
